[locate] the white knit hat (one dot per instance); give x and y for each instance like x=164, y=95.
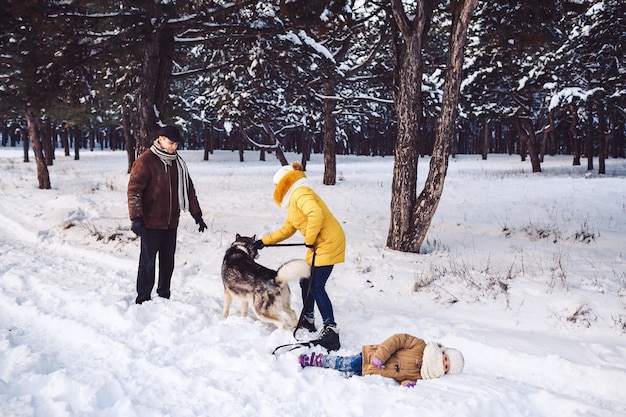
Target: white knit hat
x=456, y=360
x=281, y=173
x=432, y=362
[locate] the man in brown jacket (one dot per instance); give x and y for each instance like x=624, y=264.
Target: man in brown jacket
x=402, y=357
x=158, y=189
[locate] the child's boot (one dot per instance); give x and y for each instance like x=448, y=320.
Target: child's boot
x=316, y=359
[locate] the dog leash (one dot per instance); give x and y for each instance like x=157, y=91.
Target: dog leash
x=287, y=244
x=310, y=284
x=308, y=291
x=291, y=346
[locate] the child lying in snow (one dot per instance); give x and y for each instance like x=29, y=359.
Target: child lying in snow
x=402, y=357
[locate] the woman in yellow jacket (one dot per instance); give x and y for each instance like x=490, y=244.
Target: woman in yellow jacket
x=323, y=234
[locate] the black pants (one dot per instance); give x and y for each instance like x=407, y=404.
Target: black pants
x=155, y=241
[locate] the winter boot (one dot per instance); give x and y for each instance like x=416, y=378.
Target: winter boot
x=307, y=323
x=328, y=338
x=316, y=359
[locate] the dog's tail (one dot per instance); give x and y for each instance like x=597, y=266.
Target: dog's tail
x=293, y=270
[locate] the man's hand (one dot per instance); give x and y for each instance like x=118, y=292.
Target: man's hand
x=137, y=226
x=200, y=222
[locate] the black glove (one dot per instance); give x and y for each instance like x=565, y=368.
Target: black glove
x=201, y=224
x=258, y=245
x=137, y=226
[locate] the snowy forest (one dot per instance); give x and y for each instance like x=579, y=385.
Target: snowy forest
x=401, y=78
x=545, y=77
x=519, y=263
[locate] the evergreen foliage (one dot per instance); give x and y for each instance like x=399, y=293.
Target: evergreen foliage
x=239, y=67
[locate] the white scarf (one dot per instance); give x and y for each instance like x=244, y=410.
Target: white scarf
x=432, y=361
x=302, y=182
x=183, y=172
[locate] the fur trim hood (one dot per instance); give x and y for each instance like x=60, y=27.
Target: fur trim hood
x=285, y=178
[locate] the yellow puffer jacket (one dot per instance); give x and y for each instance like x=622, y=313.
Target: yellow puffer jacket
x=310, y=215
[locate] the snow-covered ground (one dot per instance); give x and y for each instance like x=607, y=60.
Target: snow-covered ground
x=524, y=273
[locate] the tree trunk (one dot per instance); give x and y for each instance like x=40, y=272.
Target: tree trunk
x=429, y=198
x=602, y=138
x=500, y=137
x=589, y=135
x=510, y=140
x=575, y=135
x=15, y=132
x=92, y=138
x=43, y=175
x=155, y=82
x=522, y=141
x=540, y=140
x=110, y=137
x=208, y=142
x=45, y=136
x=527, y=136
x=239, y=137
x=486, y=135
x=407, y=95
x=533, y=146
x=26, y=145
x=550, y=134
x=617, y=149
x=78, y=138
x=330, y=160
x=306, y=147
x=129, y=138
x=65, y=143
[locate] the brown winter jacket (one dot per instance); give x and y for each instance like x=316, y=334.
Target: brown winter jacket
x=153, y=193
x=402, y=355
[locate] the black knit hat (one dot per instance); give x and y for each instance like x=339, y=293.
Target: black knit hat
x=170, y=132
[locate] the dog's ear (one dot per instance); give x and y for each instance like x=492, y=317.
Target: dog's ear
x=253, y=238
x=237, y=237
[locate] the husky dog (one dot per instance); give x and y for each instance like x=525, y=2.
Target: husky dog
x=248, y=281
